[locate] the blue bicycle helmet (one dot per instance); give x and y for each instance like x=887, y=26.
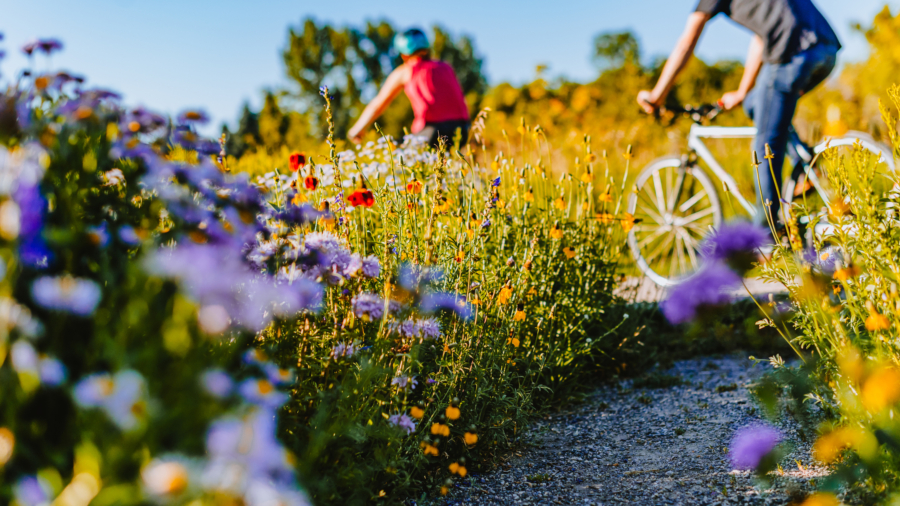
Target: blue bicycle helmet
x=410, y=41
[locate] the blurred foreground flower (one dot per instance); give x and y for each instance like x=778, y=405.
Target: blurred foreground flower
x=404, y=422
x=121, y=397
x=65, y=293
x=751, y=444
x=737, y=244
x=708, y=288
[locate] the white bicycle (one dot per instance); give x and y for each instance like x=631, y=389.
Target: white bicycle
x=676, y=203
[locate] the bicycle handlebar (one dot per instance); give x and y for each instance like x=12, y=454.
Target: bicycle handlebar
x=698, y=114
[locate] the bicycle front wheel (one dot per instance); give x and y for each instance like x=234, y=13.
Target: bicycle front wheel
x=674, y=207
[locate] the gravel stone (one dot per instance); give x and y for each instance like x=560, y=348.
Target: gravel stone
x=672, y=450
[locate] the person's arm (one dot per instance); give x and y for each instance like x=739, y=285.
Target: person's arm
x=650, y=101
x=392, y=87
x=735, y=98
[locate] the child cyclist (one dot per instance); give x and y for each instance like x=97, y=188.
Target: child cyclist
x=433, y=90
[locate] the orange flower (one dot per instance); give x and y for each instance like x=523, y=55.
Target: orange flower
x=590, y=158
x=556, y=233
x=429, y=449
x=439, y=429
x=417, y=412
x=560, y=204
x=845, y=273
x=297, y=160
x=628, y=222
x=513, y=341
x=310, y=182
x=529, y=196
x=445, y=490
x=877, y=321
x=606, y=218
x=454, y=467
x=606, y=197
x=452, y=412
x=587, y=177
x=570, y=253
x=504, y=295
x=414, y=186
x=519, y=316
x=470, y=438
x=461, y=472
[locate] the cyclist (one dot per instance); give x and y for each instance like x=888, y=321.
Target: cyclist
x=792, y=51
x=433, y=90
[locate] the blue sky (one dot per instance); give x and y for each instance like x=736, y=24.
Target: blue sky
x=173, y=54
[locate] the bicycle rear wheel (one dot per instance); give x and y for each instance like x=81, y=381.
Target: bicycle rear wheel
x=842, y=150
x=674, y=208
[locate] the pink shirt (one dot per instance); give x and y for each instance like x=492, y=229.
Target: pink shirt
x=435, y=94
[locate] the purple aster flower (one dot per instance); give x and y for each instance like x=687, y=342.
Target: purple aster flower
x=262, y=393
x=51, y=371
x=403, y=421
x=405, y=382
x=301, y=215
x=370, y=306
x=142, y=120
x=342, y=350
x=413, y=277
x=71, y=295
x=496, y=182
x=195, y=116
x=33, y=491
x=736, y=243
x=24, y=358
x=425, y=328
x=46, y=46
x=709, y=287
x=99, y=235
x=129, y=236
x=431, y=381
x=751, y=444
x=354, y=265
x=217, y=383
x=118, y=396
x=371, y=267
x=434, y=302
x=277, y=375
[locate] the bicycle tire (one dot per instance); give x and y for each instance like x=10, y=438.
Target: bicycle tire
x=647, y=260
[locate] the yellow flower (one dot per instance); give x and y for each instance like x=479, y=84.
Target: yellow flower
x=585, y=205
x=529, y=196
x=470, y=438
x=830, y=446
x=627, y=222
x=821, y=499
x=500, y=203
x=417, y=412
x=495, y=165
x=452, y=412
x=532, y=291
x=587, y=177
x=606, y=218
x=590, y=158
x=513, y=341
x=570, y=253
x=504, y=295
x=877, y=321
x=519, y=316
x=881, y=389
x=475, y=301
x=446, y=348
x=470, y=233
x=560, y=204
x=556, y=233
x=298, y=199
x=606, y=197
x=460, y=255
x=837, y=209
x=845, y=273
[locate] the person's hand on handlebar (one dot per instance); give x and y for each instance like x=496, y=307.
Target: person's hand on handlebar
x=732, y=99
x=648, y=102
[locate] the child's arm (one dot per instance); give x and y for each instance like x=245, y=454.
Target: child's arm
x=392, y=87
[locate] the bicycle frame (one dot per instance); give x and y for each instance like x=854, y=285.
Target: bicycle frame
x=695, y=142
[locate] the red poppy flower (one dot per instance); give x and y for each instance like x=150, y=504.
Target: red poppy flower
x=361, y=197
x=298, y=160
x=310, y=182
x=414, y=187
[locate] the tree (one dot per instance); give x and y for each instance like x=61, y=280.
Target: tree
x=616, y=49
x=246, y=136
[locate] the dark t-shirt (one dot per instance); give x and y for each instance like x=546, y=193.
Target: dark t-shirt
x=787, y=27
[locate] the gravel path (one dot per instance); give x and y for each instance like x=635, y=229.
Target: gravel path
x=631, y=445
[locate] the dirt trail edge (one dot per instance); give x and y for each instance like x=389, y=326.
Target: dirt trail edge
x=634, y=445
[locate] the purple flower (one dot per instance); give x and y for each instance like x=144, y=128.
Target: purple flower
x=128, y=235
x=405, y=382
x=434, y=302
x=369, y=306
x=262, y=393
x=33, y=491
x=142, y=120
x=51, y=371
x=46, y=46
x=71, y=295
x=245, y=448
x=342, y=350
x=99, y=235
x=217, y=383
x=736, y=243
x=751, y=444
x=195, y=116
x=404, y=422
x=426, y=328
x=371, y=268
x=496, y=182
x=709, y=287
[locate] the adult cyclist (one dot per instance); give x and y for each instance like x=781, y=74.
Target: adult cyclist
x=433, y=90
x=792, y=51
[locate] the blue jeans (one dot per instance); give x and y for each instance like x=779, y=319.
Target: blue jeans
x=771, y=105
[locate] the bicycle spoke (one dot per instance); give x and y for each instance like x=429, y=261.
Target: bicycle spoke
x=676, y=192
x=657, y=218
x=658, y=232
x=693, y=246
x=648, y=201
x=696, y=216
x=659, y=249
x=691, y=201
x=660, y=199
